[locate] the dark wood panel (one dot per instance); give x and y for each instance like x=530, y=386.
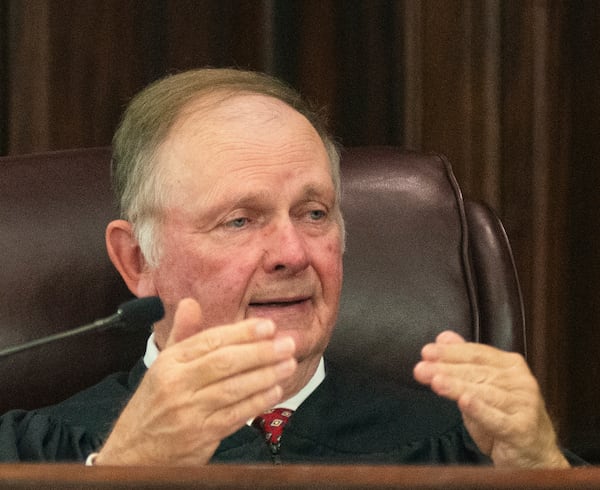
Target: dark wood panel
x=534, y=182
x=583, y=51
x=4, y=77
x=291, y=477
x=226, y=33
x=101, y=61
x=457, y=67
x=446, y=81
x=27, y=71
x=333, y=52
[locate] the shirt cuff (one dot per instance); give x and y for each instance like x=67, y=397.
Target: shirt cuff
x=90, y=459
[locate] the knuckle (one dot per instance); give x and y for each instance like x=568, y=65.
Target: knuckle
x=230, y=389
x=516, y=360
x=231, y=413
x=212, y=339
x=163, y=378
x=223, y=362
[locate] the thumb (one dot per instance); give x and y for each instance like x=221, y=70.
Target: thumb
x=186, y=321
x=449, y=337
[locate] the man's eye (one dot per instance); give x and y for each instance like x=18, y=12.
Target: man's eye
x=317, y=214
x=237, y=223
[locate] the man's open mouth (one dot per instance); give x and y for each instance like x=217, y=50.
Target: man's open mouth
x=278, y=304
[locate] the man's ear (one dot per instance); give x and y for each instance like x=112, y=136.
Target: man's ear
x=126, y=255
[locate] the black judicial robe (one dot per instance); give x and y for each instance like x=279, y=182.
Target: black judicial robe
x=347, y=419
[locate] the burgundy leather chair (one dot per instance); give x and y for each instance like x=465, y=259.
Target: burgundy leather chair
x=419, y=259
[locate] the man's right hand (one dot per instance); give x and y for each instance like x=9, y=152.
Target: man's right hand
x=202, y=387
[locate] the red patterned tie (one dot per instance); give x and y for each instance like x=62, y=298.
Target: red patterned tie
x=271, y=423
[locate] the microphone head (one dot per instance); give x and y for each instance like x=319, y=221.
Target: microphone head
x=141, y=312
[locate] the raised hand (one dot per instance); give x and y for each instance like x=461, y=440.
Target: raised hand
x=499, y=398
x=202, y=387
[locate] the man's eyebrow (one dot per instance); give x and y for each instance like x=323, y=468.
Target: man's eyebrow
x=254, y=199
x=227, y=204
x=313, y=191
x=248, y=200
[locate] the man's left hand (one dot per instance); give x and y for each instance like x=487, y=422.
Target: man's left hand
x=499, y=398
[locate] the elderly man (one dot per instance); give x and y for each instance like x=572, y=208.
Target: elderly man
x=229, y=190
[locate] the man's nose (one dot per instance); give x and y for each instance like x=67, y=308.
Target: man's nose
x=285, y=247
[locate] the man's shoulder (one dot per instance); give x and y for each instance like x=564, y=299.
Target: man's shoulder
x=69, y=430
x=97, y=407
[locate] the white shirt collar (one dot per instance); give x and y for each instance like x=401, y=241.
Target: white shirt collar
x=292, y=403
x=151, y=351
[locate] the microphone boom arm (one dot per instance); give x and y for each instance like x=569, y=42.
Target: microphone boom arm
x=137, y=312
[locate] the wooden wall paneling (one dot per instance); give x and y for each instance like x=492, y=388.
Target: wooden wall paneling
x=370, y=43
x=447, y=83
x=73, y=65
x=534, y=187
x=345, y=53
x=191, y=28
x=99, y=59
x=451, y=88
x=483, y=177
x=308, y=57
x=4, y=77
x=220, y=34
x=550, y=152
x=583, y=346
x=516, y=109
x=28, y=77
x=411, y=73
x=251, y=33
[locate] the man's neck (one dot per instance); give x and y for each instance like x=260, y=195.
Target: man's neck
x=294, y=400
x=305, y=371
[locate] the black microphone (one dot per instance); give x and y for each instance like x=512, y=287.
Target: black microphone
x=136, y=313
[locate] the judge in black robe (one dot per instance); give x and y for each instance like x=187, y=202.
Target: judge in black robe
x=347, y=419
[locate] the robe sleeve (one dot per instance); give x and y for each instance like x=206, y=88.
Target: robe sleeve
x=32, y=436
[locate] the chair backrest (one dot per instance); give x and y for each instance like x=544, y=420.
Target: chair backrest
x=418, y=260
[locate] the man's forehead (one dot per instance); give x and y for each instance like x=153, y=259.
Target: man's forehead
x=225, y=122
x=215, y=139
x=228, y=107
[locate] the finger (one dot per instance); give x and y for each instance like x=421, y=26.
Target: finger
x=454, y=388
x=425, y=372
x=512, y=398
x=472, y=374
x=472, y=353
x=490, y=419
x=186, y=321
x=449, y=337
x=233, y=360
x=245, y=385
x=214, y=338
